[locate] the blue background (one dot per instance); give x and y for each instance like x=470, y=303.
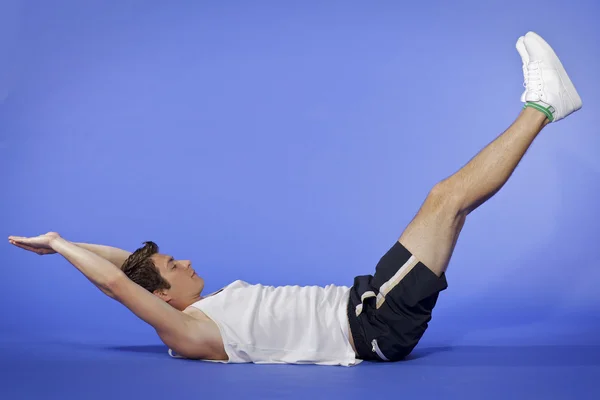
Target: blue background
x=291, y=143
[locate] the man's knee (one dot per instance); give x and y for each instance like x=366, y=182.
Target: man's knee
x=445, y=198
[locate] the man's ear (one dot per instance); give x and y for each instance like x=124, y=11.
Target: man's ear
x=162, y=294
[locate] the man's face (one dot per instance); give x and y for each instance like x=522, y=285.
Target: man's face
x=185, y=284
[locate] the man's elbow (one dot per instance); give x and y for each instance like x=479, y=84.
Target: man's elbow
x=112, y=286
x=187, y=341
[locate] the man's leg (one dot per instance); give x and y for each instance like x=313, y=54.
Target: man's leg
x=432, y=234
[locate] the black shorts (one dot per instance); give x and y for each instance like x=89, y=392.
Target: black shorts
x=390, y=311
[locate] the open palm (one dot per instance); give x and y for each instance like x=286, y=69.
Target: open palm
x=38, y=244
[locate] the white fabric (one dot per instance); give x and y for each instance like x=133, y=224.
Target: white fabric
x=284, y=324
x=525, y=59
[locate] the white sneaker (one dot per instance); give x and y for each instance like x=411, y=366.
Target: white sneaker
x=549, y=88
x=525, y=58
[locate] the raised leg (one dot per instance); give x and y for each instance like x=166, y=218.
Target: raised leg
x=432, y=234
x=549, y=96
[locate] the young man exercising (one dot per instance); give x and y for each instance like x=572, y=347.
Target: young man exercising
x=381, y=317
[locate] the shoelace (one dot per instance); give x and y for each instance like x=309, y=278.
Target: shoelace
x=533, y=79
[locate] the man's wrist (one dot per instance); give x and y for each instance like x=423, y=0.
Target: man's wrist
x=58, y=243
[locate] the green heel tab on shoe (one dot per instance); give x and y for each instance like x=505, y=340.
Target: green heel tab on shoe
x=548, y=111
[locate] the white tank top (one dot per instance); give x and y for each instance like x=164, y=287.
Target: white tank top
x=281, y=325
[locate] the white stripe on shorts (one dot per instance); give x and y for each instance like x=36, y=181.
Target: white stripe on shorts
x=391, y=284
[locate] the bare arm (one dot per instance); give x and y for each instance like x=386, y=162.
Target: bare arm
x=97, y=269
x=178, y=330
x=112, y=281
x=113, y=254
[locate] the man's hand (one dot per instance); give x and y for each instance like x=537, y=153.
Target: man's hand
x=181, y=332
x=39, y=244
x=98, y=270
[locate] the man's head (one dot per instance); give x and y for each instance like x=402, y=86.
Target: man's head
x=174, y=281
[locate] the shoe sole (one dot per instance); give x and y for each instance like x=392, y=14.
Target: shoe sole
x=562, y=73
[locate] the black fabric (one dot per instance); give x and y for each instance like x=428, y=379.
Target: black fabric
x=402, y=319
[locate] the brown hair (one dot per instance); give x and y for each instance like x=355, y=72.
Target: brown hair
x=140, y=268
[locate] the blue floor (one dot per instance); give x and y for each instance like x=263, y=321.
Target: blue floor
x=563, y=364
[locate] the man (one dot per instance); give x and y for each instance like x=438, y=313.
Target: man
x=381, y=317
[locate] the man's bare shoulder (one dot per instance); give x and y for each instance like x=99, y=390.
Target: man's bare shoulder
x=208, y=333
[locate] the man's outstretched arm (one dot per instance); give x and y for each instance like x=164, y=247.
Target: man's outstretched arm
x=178, y=330
x=113, y=254
x=100, y=271
x=112, y=281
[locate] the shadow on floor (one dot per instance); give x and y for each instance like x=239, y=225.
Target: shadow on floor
x=510, y=356
x=492, y=356
x=148, y=349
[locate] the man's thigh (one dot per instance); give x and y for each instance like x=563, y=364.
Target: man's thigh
x=394, y=306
